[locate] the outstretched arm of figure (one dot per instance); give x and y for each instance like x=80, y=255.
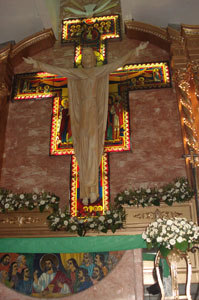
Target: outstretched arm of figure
x=49, y=68
x=130, y=56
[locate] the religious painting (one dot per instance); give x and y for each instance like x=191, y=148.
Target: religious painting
x=91, y=32
x=37, y=86
x=132, y=77
x=77, y=208
x=57, y=274
x=117, y=136
x=143, y=76
x=43, y=85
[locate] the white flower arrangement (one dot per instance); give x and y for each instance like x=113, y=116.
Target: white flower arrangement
x=167, y=234
x=112, y=219
x=12, y=202
x=179, y=191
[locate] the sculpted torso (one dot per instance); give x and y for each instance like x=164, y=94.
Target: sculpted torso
x=88, y=106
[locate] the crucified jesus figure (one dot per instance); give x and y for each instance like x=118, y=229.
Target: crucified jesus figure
x=88, y=89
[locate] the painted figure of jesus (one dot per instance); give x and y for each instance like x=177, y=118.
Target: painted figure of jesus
x=88, y=89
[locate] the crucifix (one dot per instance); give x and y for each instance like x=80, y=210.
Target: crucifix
x=88, y=94
x=91, y=189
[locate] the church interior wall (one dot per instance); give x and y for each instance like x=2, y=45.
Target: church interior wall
x=155, y=158
x=156, y=155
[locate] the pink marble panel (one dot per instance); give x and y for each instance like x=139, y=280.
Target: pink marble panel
x=156, y=156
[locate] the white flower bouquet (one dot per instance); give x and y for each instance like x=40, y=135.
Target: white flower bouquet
x=177, y=192
x=10, y=201
x=112, y=219
x=167, y=234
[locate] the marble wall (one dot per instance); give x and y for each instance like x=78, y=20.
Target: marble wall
x=156, y=155
x=155, y=158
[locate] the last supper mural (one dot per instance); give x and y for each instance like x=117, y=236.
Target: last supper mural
x=55, y=275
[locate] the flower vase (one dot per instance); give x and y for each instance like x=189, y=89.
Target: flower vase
x=173, y=259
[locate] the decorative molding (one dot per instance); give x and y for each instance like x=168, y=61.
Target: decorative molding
x=183, y=80
x=174, y=35
x=146, y=28
x=188, y=94
x=190, y=29
x=12, y=55
x=157, y=214
x=20, y=220
x=32, y=223
x=29, y=46
x=46, y=35
x=138, y=218
x=195, y=69
x=186, y=82
x=182, y=45
x=191, y=35
x=4, y=53
x=24, y=223
x=32, y=45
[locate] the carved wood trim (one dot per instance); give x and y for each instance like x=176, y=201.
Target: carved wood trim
x=4, y=53
x=182, y=45
x=191, y=36
x=27, y=223
x=11, y=56
x=32, y=45
x=142, y=31
x=190, y=29
x=138, y=218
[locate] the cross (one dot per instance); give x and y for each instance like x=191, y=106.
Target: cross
x=92, y=32
x=36, y=86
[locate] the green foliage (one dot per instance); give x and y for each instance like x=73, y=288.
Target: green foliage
x=13, y=202
x=164, y=251
x=113, y=219
x=182, y=246
x=177, y=192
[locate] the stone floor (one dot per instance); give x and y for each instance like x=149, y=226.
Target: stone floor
x=194, y=292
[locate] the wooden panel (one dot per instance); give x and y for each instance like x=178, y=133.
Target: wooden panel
x=33, y=223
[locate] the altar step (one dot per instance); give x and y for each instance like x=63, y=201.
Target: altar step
x=194, y=292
